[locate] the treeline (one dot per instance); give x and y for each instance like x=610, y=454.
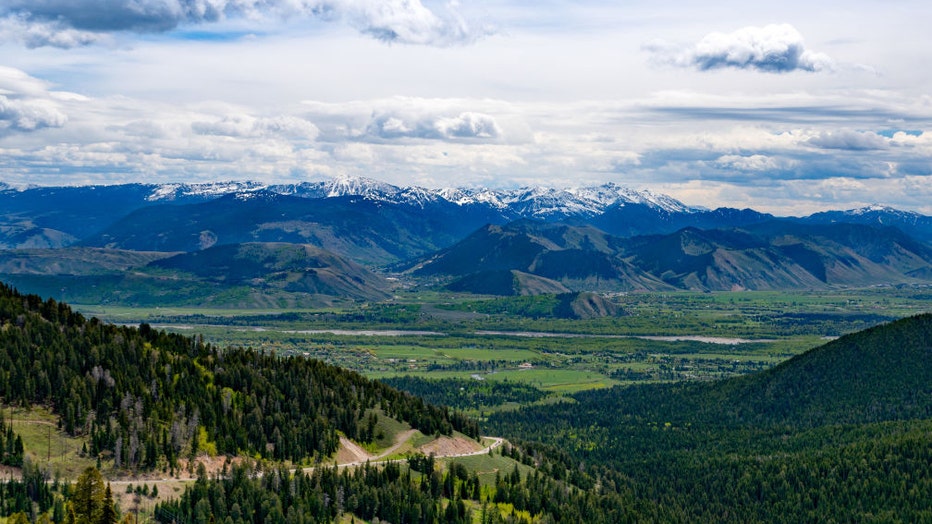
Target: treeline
x=324, y=495
x=89, y=500
x=32, y=494
x=384, y=315
x=841, y=433
x=147, y=398
x=674, y=368
x=826, y=324
x=534, y=307
x=416, y=493
x=11, y=445
x=466, y=393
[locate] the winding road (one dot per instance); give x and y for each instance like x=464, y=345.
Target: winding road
x=497, y=442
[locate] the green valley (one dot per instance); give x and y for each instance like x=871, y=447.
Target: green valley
x=656, y=337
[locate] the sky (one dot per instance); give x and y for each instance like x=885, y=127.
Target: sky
x=786, y=107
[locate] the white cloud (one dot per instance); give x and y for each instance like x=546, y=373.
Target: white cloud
x=465, y=125
x=40, y=33
x=752, y=162
x=249, y=126
x=29, y=115
x=848, y=139
x=402, y=119
x=404, y=21
x=18, y=83
x=72, y=23
x=25, y=103
x=775, y=48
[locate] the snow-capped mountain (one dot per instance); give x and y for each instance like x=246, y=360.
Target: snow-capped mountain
x=417, y=219
x=526, y=202
x=880, y=212
x=919, y=226
x=543, y=202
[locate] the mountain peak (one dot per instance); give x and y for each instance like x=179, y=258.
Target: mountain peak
x=359, y=186
x=877, y=208
x=911, y=223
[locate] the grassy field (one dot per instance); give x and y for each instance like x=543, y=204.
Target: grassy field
x=486, y=466
x=44, y=444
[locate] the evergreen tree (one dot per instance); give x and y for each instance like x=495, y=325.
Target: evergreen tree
x=108, y=514
x=87, y=500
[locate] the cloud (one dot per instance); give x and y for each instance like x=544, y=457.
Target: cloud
x=29, y=115
x=73, y=23
x=752, y=162
x=246, y=126
x=775, y=48
x=16, y=82
x=25, y=103
x=404, y=21
x=404, y=119
x=17, y=27
x=848, y=108
x=848, y=140
x=466, y=125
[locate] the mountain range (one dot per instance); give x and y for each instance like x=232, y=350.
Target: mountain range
x=768, y=255
x=60, y=216
x=522, y=241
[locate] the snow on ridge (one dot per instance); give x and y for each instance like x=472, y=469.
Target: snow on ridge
x=359, y=186
x=872, y=208
x=882, y=214
x=588, y=200
x=174, y=191
x=489, y=197
x=164, y=192
x=536, y=201
x=455, y=195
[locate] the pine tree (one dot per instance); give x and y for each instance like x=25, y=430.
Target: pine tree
x=108, y=514
x=88, y=498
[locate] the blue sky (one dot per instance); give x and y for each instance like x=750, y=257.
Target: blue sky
x=788, y=107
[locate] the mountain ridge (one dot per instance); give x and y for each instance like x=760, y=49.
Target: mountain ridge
x=52, y=217
x=534, y=201
x=763, y=256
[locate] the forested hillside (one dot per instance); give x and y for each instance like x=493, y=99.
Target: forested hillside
x=840, y=433
x=146, y=397
x=418, y=493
